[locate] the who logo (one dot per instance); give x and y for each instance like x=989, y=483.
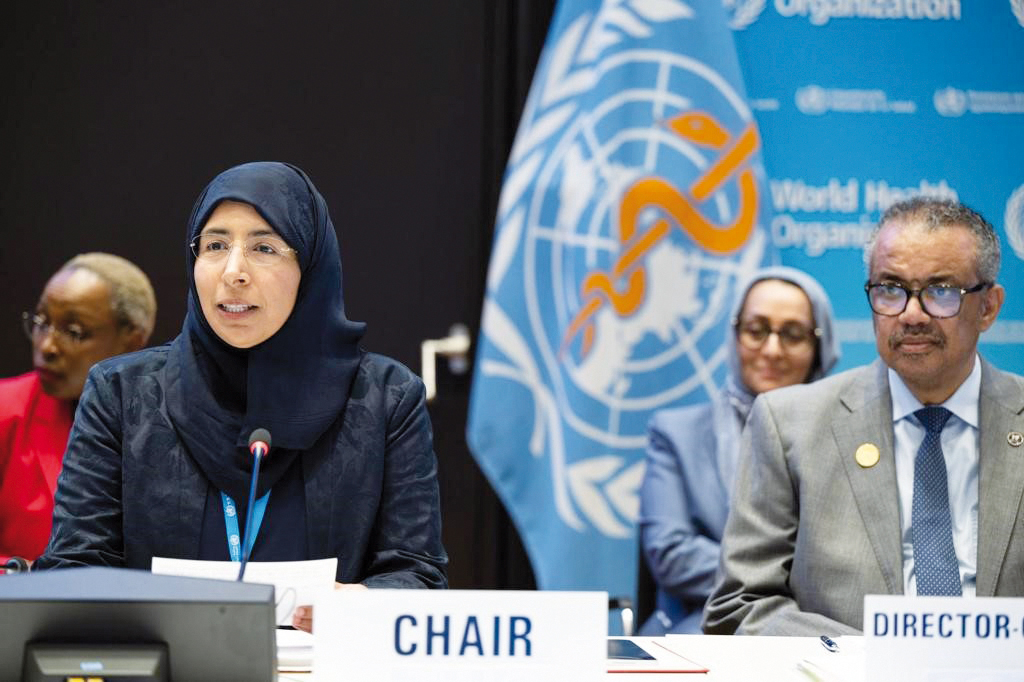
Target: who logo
x=632, y=205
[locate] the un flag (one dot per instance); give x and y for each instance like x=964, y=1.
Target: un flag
x=633, y=201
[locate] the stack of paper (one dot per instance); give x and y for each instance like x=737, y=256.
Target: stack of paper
x=294, y=651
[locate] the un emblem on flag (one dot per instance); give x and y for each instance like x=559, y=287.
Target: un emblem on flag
x=631, y=207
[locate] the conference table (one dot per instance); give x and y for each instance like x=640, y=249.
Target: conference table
x=737, y=659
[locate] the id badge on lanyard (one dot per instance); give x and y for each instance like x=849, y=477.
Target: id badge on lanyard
x=231, y=523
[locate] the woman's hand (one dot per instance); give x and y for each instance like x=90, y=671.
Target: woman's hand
x=302, y=617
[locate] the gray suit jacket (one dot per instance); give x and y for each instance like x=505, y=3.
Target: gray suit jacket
x=811, y=531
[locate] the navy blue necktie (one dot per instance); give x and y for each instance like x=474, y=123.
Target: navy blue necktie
x=935, y=564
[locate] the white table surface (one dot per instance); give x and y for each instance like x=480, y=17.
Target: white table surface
x=772, y=659
x=740, y=659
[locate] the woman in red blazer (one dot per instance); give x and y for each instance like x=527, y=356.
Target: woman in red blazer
x=97, y=305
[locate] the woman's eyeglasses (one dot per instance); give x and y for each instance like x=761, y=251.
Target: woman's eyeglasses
x=264, y=250
x=37, y=326
x=792, y=335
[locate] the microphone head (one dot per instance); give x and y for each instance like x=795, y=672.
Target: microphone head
x=258, y=437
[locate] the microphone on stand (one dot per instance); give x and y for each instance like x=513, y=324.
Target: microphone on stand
x=259, y=446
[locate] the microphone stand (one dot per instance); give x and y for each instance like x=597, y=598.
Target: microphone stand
x=248, y=515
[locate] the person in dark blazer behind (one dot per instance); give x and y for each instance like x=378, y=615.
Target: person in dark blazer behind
x=95, y=306
x=836, y=495
x=160, y=440
x=782, y=335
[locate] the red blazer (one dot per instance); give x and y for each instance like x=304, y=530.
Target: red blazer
x=34, y=431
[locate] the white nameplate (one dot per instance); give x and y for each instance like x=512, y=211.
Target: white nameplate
x=460, y=636
x=944, y=639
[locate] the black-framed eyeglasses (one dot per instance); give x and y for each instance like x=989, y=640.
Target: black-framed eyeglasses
x=752, y=334
x=937, y=300
x=37, y=326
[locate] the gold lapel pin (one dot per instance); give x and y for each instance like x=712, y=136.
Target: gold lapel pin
x=1015, y=438
x=867, y=455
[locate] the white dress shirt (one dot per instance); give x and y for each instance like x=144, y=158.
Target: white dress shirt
x=960, y=447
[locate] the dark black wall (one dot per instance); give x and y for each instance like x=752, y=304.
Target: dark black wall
x=117, y=113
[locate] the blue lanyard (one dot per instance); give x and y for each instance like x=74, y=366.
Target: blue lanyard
x=231, y=523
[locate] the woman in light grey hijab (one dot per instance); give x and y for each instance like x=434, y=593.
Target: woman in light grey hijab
x=784, y=335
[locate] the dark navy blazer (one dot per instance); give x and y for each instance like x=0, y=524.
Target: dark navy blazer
x=130, y=491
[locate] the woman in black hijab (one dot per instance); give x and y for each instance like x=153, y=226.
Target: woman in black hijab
x=159, y=445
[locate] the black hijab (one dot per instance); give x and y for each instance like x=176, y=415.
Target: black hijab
x=296, y=383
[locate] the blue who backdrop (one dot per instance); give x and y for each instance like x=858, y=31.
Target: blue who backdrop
x=637, y=125
x=863, y=103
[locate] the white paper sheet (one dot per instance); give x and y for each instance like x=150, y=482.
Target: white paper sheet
x=296, y=583
x=773, y=659
x=664, y=659
x=294, y=651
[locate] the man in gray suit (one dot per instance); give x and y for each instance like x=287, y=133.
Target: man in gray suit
x=842, y=491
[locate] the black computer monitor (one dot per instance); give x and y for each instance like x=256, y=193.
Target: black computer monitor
x=108, y=621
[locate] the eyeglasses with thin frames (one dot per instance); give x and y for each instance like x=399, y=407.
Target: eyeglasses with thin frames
x=753, y=334
x=37, y=326
x=263, y=250
x=937, y=300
